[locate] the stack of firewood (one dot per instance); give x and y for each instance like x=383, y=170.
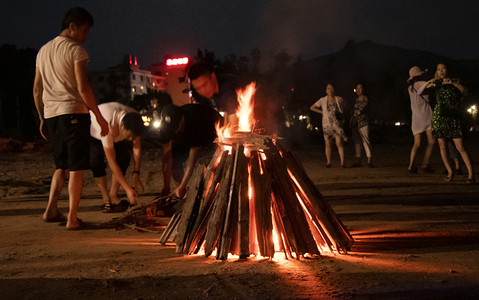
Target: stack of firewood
x=255, y=204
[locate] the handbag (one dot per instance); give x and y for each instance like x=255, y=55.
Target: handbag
x=339, y=114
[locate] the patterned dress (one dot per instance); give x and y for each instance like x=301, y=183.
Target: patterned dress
x=447, y=121
x=334, y=127
x=360, y=118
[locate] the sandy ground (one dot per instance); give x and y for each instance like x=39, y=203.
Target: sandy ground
x=416, y=238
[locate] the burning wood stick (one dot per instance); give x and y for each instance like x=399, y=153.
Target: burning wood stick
x=219, y=210
x=286, y=199
x=198, y=232
x=189, y=213
x=326, y=217
x=232, y=205
x=262, y=199
x=243, y=212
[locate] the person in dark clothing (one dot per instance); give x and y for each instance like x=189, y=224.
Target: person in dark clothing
x=184, y=132
x=217, y=91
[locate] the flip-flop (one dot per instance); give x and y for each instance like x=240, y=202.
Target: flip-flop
x=59, y=218
x=81, y=225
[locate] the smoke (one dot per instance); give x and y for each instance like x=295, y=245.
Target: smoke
x=305, y=27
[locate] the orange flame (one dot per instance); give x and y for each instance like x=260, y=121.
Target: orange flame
x=244, y=113
x=245, y=108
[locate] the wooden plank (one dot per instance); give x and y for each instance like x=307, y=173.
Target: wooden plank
x=327, y=218
x=189, y=213
x=195, y=237
x=285, y=195
x=232, y=205
x=219, y=210
x=243, y=212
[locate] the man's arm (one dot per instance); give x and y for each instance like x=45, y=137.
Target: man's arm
x=87, y=95
x=137, y=163
x=167, y=167
x=180, y=191
x=38, y=97
x=115, y=169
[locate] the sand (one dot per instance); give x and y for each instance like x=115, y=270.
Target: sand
x=417, y=237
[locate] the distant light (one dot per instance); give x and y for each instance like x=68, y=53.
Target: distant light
x=156, y=124
x=397, y=124
x=177, y=61
x=222, y=113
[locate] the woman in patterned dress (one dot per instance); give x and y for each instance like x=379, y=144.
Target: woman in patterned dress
x=359, y=126
x=447, y=121
x=331, y=108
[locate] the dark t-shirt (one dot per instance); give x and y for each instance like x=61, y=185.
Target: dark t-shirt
x=199, y=127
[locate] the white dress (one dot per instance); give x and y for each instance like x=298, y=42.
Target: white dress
x=421, y=110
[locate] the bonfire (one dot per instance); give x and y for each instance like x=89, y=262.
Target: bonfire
x=254, y=198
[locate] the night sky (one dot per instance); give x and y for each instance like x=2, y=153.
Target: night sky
x=151, y=29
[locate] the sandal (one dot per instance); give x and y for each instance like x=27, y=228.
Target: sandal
x=107, y=207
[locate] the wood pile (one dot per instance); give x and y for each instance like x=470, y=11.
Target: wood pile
x=255, y=204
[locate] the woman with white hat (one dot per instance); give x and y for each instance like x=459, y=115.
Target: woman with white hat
x=421, y=118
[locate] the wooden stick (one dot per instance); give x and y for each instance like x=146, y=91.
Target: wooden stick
x=189, y=213
x=231, y=208
x=313, y=198
x=197, y=233
x=219, y=210
x=243, y=212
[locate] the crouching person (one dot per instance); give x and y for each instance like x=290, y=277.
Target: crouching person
x=125, y=126
x=187, y=133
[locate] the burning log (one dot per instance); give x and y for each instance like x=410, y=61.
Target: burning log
x=241, y=202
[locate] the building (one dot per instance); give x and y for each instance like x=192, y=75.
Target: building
x=125, y=81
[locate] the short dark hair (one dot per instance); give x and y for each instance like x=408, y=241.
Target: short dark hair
x=77, y=15
x=199, y=69
x=132, y=121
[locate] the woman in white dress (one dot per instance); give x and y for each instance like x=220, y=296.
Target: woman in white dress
x=421, y=118
x=331, y=108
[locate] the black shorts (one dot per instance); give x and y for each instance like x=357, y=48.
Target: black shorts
x=70, y=141
x=98, y=159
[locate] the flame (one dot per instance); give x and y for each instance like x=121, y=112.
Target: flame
x=223, y=133
x=245, y=108
x=244, y=114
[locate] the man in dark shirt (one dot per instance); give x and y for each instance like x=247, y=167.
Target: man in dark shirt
x=217, y=91
x=184, y=132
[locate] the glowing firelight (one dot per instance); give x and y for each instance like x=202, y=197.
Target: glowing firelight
x=244, y=113
x=245, y=108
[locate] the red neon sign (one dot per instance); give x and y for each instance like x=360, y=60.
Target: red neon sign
x=177, y=61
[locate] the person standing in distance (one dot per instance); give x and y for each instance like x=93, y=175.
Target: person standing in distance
x=63, y=98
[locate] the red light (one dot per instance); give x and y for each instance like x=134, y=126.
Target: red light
x=177, y=61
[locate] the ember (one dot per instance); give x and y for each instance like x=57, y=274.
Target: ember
x=254, y=198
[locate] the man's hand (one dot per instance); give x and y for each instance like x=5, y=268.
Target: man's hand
x=179, y=192
x=42, y=128
x=103, y=124
x=131, y=194
x=138, y=184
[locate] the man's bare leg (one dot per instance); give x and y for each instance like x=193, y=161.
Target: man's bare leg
x=75, y=187
x=56, y=187
x=101, y=183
